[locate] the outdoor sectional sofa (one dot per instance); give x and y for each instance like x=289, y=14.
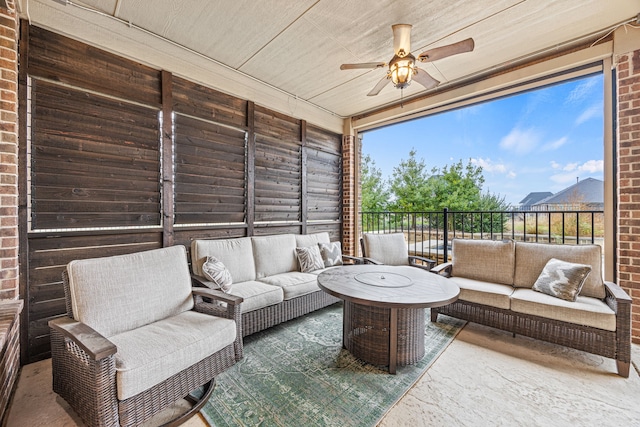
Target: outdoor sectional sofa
x=496, y=280
x=265, y=272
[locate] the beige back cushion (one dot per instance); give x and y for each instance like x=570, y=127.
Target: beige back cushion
x=235, y=254
x=121, y=293
x=389, y=249
x=306, y=240
x=486, y=260
x=532, y=257
x=274, y=254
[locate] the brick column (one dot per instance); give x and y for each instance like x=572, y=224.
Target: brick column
x=8, y=152
x=349, y=196
x=628, y=130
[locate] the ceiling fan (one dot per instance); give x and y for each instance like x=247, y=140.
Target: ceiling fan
x=402, y=68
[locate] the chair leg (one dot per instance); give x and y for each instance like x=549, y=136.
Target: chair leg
x=623, y=368
x=197, y=405
x=434, y=315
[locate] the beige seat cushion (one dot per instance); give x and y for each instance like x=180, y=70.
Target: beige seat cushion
x=235, y=254
x=389, y=249
x=479, y=292
x=304, y=240
x=120, y=293
x=274, y=254
x=257, y=295
x=150, y=354
x=586, y=311
x=532, y=257
x=485, y=260
x=293, y=284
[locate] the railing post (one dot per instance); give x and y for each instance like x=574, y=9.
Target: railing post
x=446, y=234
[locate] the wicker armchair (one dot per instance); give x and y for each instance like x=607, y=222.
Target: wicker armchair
x=138, y=337
x=391, y=249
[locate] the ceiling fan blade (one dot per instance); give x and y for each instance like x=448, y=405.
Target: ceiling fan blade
x=366, y=65
x=448, y=50
x=401, y=38
x=378, y=87
x=424, y=78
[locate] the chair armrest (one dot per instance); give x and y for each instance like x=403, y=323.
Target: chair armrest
x=617, y=292
x=428, y=263
x=91, y=342
x=217, y=295
x=355, y=259
x=371, y=261
x=618, y=300
x=443, y=269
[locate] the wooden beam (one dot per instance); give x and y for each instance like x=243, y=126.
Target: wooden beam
x=23, y=185
x=304, y=199
x=168, y=217
x=251, y=168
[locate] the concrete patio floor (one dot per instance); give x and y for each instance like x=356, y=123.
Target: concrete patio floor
x=484, y=378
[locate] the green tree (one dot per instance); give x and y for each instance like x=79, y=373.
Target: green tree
x=374, y=190
x=457, y=187
x=409, y=185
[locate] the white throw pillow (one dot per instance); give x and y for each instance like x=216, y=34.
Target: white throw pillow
x=214, y=270
x=309, y=258
x=331, y=253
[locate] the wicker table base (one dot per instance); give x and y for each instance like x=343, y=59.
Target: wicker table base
x=384, y=309
x=370, y=334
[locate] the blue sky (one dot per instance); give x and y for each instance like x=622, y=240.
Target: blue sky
x=536, y=141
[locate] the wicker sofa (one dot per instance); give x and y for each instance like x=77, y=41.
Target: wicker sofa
x=496, y=280
x=266, y=274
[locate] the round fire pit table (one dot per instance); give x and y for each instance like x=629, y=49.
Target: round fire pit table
x=384, y=318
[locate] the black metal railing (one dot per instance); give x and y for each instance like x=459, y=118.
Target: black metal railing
x=430, y=233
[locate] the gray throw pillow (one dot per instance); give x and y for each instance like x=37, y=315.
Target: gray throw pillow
x=562, y=279
x=331, y=253
x=214, y=270
x=309, y=258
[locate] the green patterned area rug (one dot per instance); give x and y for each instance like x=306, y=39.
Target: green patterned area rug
x=297, y=374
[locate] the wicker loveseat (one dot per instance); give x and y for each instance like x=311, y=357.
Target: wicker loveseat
x=496, y=280
x=266, y=274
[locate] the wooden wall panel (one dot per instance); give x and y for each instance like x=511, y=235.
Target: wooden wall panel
x=324, y=175
x=203, y=102
x=95, y=161
x=101, y=127
x=278, y=167
x=62, y=59
x=48, y=255
x=210, y=172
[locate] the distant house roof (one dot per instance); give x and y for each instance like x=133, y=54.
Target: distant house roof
x=535, y=197
x=588, y=191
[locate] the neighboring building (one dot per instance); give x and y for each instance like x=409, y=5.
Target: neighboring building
x=527, y=203
x=587, y=194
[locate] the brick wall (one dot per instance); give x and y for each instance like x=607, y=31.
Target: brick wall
x=628, y=109
x=349, y=202
x=8, y=153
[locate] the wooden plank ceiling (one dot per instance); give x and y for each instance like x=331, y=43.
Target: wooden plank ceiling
x=297, y=47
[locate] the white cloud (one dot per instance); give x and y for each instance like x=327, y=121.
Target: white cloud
x=520, y=141
x=554, y=145
x=574, y=170
x=590, y=113
x=581, y=91
x=592, y=166
x=565, y=179
x=490, y=166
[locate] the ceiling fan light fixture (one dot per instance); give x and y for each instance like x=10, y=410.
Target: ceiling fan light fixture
x=401, y=70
